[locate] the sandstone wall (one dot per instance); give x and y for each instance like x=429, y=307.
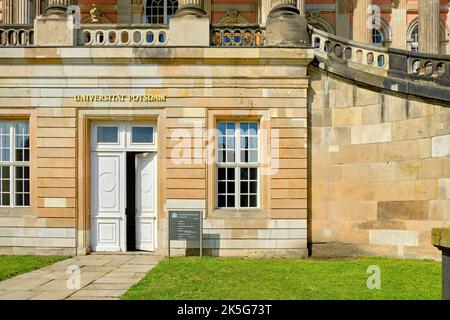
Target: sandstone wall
x=202, y=86
x=380, y=170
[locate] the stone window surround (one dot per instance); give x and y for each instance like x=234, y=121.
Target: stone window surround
x=24, y=115
x=261, y=116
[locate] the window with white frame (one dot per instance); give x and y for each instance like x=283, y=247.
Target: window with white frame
x=14, y=164
x=160, y=11
x=237, y=165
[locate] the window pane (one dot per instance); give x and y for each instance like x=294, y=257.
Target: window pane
x=108, y=134
x=5, y=199
x=22, y=186
x=5, y=128
x=244, y=174
x=142, y=135
x=231, y=129
x=225, y=188
x=226, y=142
x=4, y=186
x=221, y=201
x=253, y=201
x=221, y=127
x=22, y=141
x=5, y=172
x=222, y=173
x=244, y=201
x=230, y=187
x=230, y=173
x=230, y=156
x=230, y=201
x=221, y=188
x=244, y=187
x=253, y=186
x=253, y=174
x=19, y=172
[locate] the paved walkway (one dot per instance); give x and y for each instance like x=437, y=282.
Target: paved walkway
x=103, y=276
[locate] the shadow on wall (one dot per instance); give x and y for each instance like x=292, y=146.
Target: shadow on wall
x=211, y=245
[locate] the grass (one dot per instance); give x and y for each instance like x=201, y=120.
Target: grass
x=11, y=266
x=232, y=278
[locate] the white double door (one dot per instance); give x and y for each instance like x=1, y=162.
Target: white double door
x=108, y=200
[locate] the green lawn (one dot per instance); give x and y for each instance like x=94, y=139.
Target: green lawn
x=230, y=278
x=11, y=266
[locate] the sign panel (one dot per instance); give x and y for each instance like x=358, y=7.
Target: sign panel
x=185, y=225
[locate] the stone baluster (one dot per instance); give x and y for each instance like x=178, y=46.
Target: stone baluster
x=191, y=7
x=286, y=24
x=429, y=25
x=362, y=31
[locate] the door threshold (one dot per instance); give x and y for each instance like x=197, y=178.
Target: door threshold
x=144, y=253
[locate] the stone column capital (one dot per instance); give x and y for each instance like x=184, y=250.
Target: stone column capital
x=57, y=7
x=284, y=5
x=194, y=7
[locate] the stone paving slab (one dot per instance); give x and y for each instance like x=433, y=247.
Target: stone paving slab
x=102, y=277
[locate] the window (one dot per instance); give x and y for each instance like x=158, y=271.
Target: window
x=142, y=135
x=107, y=134
x=415, y=40
x=237, y=165
x=377, y=37
x=160, y=11
x=14, y=164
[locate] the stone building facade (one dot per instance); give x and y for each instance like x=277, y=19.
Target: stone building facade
x=396, y=25
x=290, y=140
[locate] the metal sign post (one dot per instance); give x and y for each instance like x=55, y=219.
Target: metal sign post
x=186, y=225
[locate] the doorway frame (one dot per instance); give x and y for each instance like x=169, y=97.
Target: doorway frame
x=121, y=147
x=85, y=117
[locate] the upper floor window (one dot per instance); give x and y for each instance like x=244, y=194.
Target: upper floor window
x=415, y=40
x=160, y=11
x=237, y=165
x=377, y=37
x=14, y=164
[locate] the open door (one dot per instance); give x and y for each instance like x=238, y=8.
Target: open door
x=108, y=198
x=145, y=201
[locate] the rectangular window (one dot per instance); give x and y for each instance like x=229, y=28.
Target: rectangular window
x=14, y=164
x=237, y=165
x=107, y=134
x=142, y=135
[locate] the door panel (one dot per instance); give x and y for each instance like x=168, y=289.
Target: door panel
x=108, y=201
x=145, y=201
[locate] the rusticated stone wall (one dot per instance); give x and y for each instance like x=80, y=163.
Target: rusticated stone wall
x=380, y=173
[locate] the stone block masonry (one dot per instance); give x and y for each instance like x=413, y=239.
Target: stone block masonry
x=200, y=86
x=380, y=170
